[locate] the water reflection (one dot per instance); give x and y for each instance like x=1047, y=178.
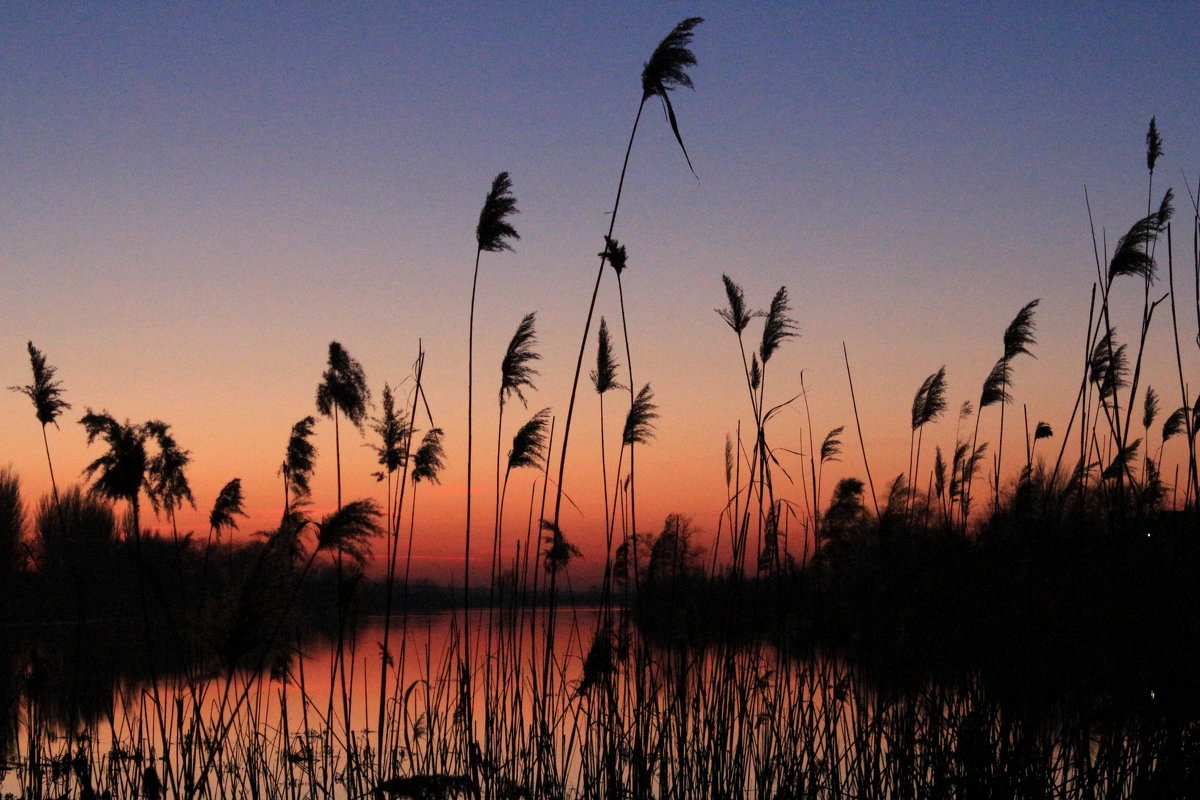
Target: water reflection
x=598, y=713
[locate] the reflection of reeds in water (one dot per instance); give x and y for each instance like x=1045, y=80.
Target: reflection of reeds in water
x=728, y=720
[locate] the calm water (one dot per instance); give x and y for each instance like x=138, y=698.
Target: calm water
x=580, y=719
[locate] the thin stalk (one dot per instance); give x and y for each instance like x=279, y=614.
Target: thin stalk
x=587, y=326
x=858, y=424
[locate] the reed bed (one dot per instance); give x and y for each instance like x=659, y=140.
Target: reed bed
x=855, y=647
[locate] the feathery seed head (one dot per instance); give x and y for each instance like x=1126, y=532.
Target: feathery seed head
x=604, y=376
x=1132, y=254
x=529, y=442
x=667, y=66
x=227, y=506
x=298, y=460
x=995, y=386
x=349, y=529
x=1019, y=333
x=736, y=316
x=515, y=370
x=429, y=459
x=343, y=387
x=779, y=326
x=1153, y=145
x=1149, y=407
x=494, y=230
x=615, y=253
x=639, y=423
x=45, y=392
x=559, y=551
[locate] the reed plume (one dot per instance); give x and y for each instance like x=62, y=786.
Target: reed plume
x=1133, y=255
x=604, y=376
x=516, y=372
x=1153, y=145
x=493, y=232
x=343, y=388
x=736, y=316
x=46, y=393
x=298, y=464
x=227, y=507
x=167, y=484
x=529, y=442
x=120, y=473
x=666, y=69
x=429, y=460
x=559, y=552
x=639, y=422
x=778, y=327
x=349, y=530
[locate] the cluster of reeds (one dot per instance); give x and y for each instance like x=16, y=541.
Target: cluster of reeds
x=522, y=694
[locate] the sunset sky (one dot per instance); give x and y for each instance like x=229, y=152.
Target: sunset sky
x=196, y=198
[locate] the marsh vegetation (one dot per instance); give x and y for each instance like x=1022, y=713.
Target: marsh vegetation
x=982, y=625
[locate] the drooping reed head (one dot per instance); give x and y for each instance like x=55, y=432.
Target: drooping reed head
x=349, y=530
x=1109, y=365
x=529, y=442
x=299, y=459
x=1042, y=431
x=123, y=468
x=639, y=422
x=1132, y=255
x=494, y=230
x=1019, y=333
x=559, y=551
x=227, y=507
x=429, y=459
x=516, y=372
x=667, y=67
x=995, y=386
x=930, y=400
x=45, y=392
x=344, y=387
x=831, y=447
x=167, y=483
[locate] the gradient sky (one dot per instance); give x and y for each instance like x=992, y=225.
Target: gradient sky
x=196, y=198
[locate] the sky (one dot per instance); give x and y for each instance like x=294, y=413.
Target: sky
x=195, y=199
